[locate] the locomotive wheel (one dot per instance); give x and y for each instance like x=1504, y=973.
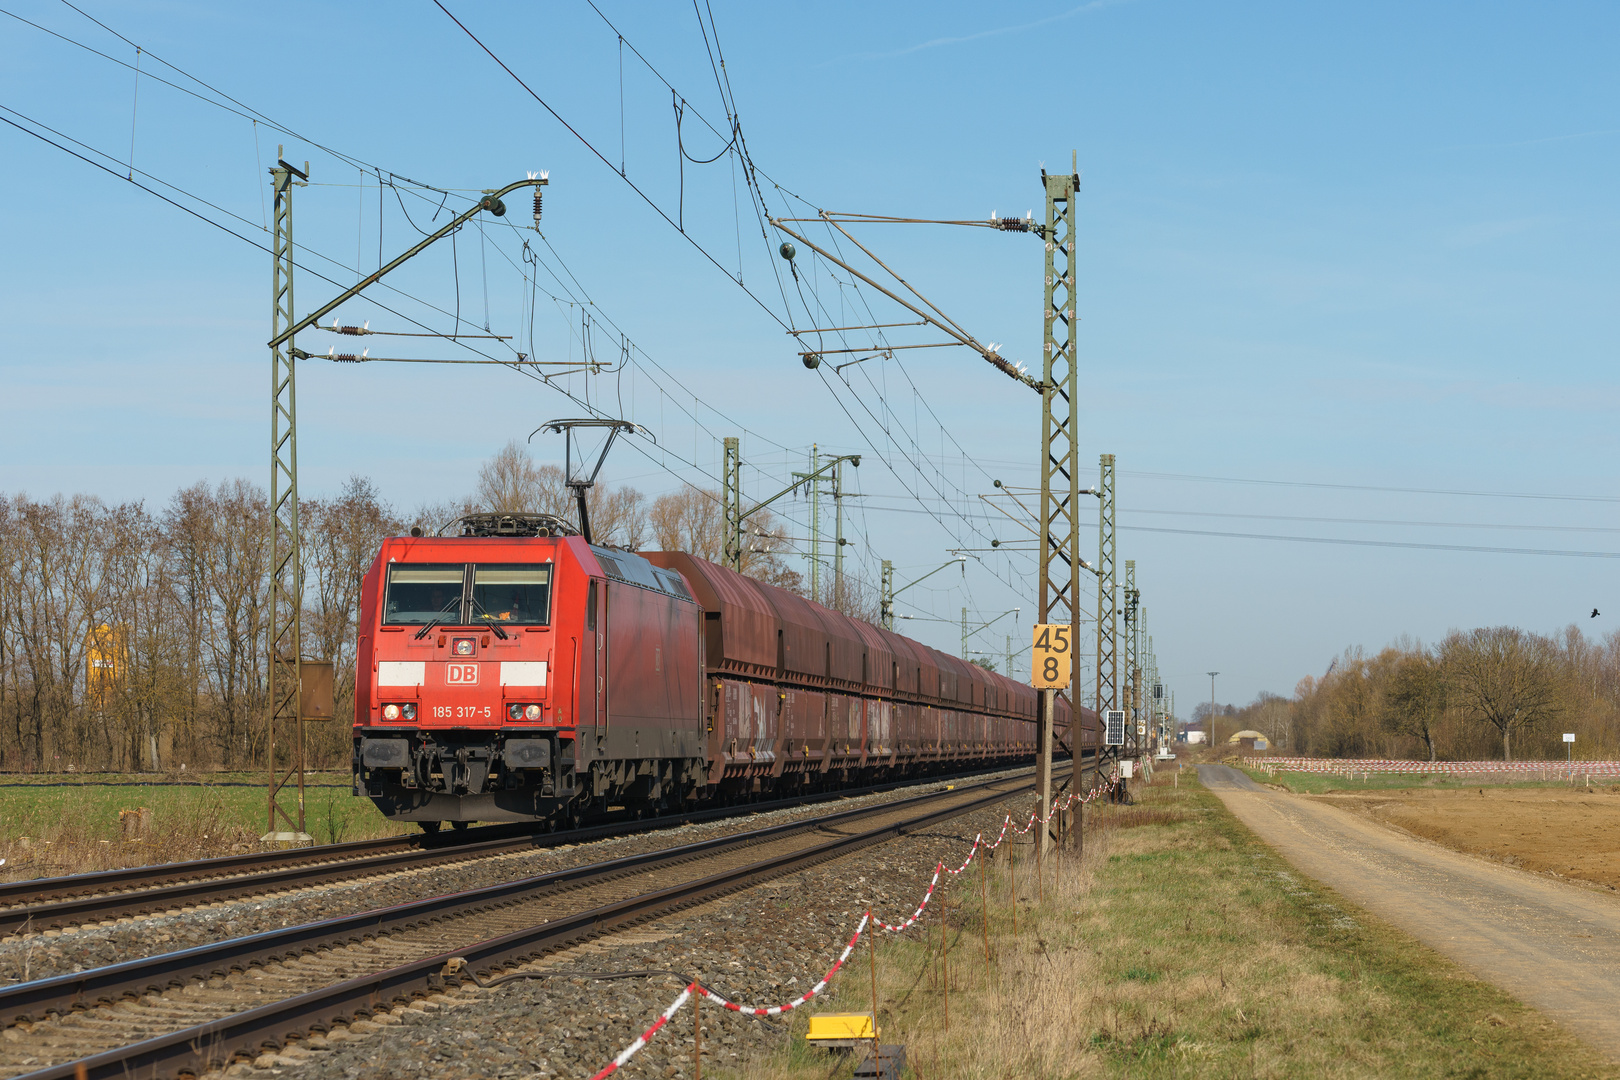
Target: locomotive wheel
x=460, y=826
x=430, y=827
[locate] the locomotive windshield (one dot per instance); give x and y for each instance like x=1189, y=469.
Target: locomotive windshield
x=518, y=595
x=423, y=594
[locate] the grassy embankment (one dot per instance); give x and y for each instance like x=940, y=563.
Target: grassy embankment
x=1181, y=947
x=1312, y=783
x=52, y=825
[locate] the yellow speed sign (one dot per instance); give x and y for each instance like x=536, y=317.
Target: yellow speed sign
x=1052, y=662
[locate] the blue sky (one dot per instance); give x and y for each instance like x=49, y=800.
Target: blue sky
x=1370, y=246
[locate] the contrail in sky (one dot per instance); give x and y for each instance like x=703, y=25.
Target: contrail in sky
x=1094, y=5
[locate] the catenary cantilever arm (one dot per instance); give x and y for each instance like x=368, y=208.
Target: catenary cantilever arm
x=931, y=573
x=491, y=202
x=853, y=459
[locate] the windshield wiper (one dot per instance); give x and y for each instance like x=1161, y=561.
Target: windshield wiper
x=489, y=621
x=422, y=633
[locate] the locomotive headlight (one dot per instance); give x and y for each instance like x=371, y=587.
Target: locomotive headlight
x=408, y=710
x=390, y=712
x=463, y=646
x=515, y=712
x=532, y=712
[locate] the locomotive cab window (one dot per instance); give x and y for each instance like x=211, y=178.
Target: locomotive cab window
x=420, y=594
x=516, y=595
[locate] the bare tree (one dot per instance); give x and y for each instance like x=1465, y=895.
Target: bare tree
x=692, y=520
x=511, y=482
x=854, y=597
x=341, y=538
x=1272, y=716
x=1504, y=677
x=435, y=516
x=1415, y=698
x=228, y=528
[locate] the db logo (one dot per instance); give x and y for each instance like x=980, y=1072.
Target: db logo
x=461, y=674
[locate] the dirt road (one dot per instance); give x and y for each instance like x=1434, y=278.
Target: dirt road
x=1573, y=832
x=1552, y=945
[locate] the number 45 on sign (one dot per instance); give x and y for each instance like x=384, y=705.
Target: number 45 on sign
x=1053, y=659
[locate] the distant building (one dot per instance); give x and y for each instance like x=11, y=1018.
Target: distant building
x=1249, y=740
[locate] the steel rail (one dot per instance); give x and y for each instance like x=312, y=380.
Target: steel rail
x=34, y=890
x=62, y=994
x=214, y=1044
x=54, y=903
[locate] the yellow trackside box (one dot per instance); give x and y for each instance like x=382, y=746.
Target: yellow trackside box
x=836, y=1029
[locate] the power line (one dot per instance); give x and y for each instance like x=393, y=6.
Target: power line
x=1380, y=543
x=736, y=138
x=723, y=84
x=603, y=158
x=1383, y=521
x=1373, y=487
x=242, y=110
x=1397, y=522
x=889, y=465
x=640, y=358
x=257, y=116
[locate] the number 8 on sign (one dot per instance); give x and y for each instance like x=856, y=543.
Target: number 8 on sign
x=1052, y=655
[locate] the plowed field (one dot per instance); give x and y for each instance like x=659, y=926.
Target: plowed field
x=1573, y=833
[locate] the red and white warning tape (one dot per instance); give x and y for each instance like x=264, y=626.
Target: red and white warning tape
x=867, y=918
x=697, y=988
x=647, y=1036
x=777, y=1010
x=1444, y=768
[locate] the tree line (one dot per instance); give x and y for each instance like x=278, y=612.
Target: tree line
x=1491, y=693
x=134, y=638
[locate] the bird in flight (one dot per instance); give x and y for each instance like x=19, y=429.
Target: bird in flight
x=1594, y=614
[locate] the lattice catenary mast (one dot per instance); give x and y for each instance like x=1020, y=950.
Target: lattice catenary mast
x=286, y=566
x=1107, y=592
x=1133, y=675
x=1060, y=452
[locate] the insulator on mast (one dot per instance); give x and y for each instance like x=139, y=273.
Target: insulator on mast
x=538, y=195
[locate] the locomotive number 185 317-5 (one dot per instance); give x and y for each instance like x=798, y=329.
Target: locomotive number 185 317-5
x=462, y=712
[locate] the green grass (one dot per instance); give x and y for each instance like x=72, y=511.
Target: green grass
x=1312, y=783
x=1187, y=948
x=46, y=831
x=160, y=779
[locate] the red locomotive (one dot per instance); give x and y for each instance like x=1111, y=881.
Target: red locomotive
x=516, y=672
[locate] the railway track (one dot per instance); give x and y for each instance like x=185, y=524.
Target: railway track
x=201, y=1008
x=84, y=899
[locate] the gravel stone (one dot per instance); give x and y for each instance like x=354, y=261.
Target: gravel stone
x=759, y=947
x=37, y=956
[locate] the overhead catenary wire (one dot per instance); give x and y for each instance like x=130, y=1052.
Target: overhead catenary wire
x=201, y=201
x=880, y=344
x=302, y=266
x=600, y=156
x=886, y=427
x=645, y=363
x=234, y=107
x=735, y=136
x=204, y=218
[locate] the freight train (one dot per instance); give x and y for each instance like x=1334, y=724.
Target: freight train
x=517, y=672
